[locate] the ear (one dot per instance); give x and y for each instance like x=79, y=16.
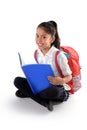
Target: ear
x=53, y=39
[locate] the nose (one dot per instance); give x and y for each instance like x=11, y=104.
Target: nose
x=39, y=40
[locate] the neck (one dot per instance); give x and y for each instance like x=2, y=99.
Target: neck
x=44, y=51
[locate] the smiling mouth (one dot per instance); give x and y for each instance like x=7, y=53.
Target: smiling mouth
x=39, y=45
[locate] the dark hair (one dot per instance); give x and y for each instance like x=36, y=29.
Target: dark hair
x=51, y=28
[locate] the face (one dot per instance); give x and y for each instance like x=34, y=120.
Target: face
x=43, y=39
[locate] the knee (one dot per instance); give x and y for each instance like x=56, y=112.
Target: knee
x=50, y=92
x=16, y=81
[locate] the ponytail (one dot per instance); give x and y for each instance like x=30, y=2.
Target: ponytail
x=56, y=42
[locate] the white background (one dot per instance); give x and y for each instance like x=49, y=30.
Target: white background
x=18, y=22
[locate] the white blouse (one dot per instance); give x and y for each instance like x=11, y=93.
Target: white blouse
x=49, y=58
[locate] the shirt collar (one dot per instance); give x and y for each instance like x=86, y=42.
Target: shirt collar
x=49, y=53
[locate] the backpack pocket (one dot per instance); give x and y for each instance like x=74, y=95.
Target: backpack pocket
x=76, y=82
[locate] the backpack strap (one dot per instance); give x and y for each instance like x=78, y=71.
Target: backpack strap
x=60, y=72
x=56, y=62
x=35, y=56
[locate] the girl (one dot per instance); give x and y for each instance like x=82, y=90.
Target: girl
x=48, y=42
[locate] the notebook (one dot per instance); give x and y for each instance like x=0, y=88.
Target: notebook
x=37, y=75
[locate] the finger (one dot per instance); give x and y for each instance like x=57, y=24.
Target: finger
x=50, y=77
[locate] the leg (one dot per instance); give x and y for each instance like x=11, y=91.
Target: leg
x=23, y=86
x=57, y=93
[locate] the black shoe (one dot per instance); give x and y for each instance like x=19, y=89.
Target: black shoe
x=67, y=96
x=20, y=94
x=49, y=106
x=64, y=97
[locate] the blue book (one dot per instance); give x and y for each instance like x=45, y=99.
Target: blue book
x=37, y=75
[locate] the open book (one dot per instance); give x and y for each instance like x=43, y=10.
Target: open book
x=37, y=75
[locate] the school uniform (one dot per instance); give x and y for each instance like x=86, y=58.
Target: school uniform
x=49, y=58
x=54, y=92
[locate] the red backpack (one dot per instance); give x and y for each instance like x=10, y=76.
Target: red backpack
x=73, y=61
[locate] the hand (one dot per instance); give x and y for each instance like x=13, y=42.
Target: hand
x=55, y=80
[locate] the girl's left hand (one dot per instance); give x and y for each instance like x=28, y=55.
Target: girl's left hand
x=55, y=80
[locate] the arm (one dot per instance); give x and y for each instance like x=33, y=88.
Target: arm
x=65, y=69
x=59, y=80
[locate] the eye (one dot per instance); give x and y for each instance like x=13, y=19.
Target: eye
x=44, y=37
x=37, y=36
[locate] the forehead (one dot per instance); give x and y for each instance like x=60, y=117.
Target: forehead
x=41, y=30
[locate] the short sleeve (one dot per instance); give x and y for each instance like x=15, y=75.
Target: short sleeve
x=63, y=64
